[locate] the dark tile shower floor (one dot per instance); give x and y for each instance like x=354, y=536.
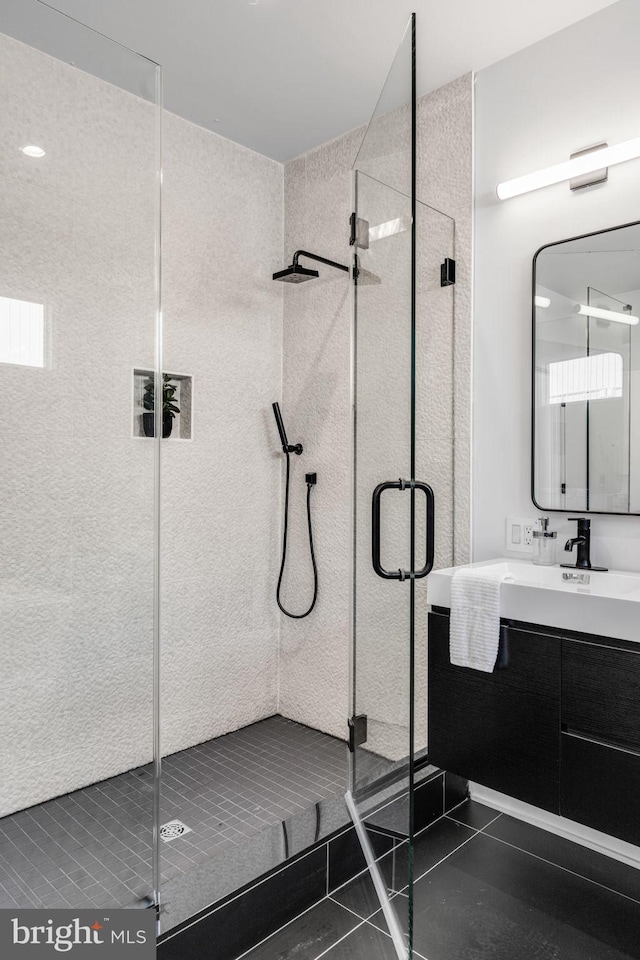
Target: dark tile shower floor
x=93, y=847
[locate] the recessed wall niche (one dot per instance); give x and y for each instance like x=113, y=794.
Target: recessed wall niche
x=182, y=422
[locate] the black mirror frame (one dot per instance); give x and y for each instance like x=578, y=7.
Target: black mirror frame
x=555, y=243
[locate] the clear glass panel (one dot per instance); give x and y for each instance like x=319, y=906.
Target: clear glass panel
x=382, y=661
x=385, y=673
x=403, y=428
x=381, y=763
x=383, y=452
x=78, y=312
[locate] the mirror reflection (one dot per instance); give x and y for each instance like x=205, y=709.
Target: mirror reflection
x=586, y=356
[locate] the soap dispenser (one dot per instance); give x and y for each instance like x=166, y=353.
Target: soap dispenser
x=546, y=539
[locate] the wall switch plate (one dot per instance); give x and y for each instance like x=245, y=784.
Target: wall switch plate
x=519, y=537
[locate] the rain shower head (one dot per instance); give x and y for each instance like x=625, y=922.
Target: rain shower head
x=295, y=274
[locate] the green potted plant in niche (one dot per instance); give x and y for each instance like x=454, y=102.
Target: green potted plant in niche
x=169, y=406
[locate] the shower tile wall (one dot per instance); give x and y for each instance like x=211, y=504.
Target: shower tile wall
x=76, y=502
x=314, y=652
x=221, y=491
x=445, y=181
x=76, y=511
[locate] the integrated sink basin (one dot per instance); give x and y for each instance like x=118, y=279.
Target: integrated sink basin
x=604, y=604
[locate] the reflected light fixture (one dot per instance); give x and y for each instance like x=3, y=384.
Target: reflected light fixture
x=389, y=228
x=33, y=151
x=577, y=167
x=543, y=302
x=600, y=314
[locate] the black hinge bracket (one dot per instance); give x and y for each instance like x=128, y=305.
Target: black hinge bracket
x=357, y=731
x=447, y=272
x=563, y=488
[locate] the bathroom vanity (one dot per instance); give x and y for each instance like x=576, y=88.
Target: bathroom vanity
x=559, y=725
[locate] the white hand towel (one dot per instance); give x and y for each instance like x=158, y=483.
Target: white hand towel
x=475, y=617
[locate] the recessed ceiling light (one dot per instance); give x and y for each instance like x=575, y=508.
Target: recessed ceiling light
x=32, y=151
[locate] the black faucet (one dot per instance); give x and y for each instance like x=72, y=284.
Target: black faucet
x=583, y=540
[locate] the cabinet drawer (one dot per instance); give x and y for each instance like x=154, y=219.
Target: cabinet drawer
x=600, y=787
x=499, y=729
x=601, y=693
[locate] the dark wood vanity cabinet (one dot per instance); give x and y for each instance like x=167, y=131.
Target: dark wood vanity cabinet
x=557, y=727
x=499, y=729
x=600, y=742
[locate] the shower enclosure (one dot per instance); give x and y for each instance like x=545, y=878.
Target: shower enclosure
x=168, y=737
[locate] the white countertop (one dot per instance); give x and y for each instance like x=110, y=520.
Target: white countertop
x=608, y=605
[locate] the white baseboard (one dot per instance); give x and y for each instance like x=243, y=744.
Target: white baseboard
x=585, y=836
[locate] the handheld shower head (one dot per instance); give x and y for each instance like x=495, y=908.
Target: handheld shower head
x=286, y=446
x=280, y=425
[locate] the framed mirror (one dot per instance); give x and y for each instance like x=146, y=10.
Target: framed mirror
x=586, y=373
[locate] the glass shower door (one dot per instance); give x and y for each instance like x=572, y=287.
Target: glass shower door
x=384, y=499
x=382, y=721
x=402, y=488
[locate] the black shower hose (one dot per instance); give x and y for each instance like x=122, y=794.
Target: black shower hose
x=297, y=616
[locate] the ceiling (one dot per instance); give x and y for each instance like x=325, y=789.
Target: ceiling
x=282, y=76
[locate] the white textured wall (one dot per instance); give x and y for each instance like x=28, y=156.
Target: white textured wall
x=221, y=491
x=76, y=501
x=76, y=491
x=314, y=652
x=533, y=110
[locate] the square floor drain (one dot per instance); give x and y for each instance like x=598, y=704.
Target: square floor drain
x=173, y=830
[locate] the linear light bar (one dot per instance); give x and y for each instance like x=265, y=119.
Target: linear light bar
x=607, y=157
x=601, y=314
x=543, y=302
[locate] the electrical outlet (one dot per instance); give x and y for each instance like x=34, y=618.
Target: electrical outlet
x=519, y=537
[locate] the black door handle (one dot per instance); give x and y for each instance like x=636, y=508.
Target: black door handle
x=429, y=532
x=375, y=529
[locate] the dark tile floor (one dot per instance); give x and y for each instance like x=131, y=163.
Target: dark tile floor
x=489, y=887
x=93, y=847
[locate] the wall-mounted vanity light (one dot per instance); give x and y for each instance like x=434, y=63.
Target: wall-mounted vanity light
x=543, y=302
x=595, y=159
x=600, y=314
